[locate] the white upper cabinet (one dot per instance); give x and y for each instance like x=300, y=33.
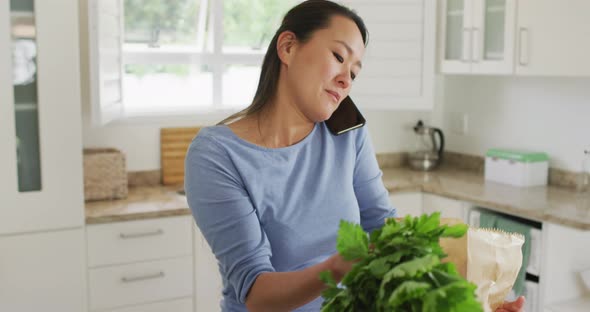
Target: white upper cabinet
x=41, y=184
x=477, y=36
x=553, y=38
x=398, y=66
x=521, y=37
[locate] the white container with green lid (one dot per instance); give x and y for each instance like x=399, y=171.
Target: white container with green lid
x=516, y=167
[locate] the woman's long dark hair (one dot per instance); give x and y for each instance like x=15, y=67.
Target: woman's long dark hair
x=302, y=20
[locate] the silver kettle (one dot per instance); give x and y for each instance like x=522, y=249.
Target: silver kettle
x=428, y=153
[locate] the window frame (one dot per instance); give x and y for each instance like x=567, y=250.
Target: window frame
x=216, y=59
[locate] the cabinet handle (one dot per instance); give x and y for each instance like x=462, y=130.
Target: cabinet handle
x=466, y=53
x=132, y=279
x=523, y=55
x=141, y=234
x=475, y=44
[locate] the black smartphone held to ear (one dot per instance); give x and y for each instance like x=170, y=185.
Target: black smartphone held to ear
x=345, y=118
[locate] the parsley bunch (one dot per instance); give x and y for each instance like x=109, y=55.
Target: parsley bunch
x=399, y=269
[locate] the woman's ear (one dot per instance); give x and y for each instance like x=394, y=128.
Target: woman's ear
x=286, y=44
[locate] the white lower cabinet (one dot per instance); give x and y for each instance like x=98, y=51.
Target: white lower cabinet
x=407, y=203
x=448, y=207
x=417, y=203
x=43, y=272
x=181, y=305
x=127, y=242
x=144, y=265
x=208, y=285
x=565, y=256
x=122, y=285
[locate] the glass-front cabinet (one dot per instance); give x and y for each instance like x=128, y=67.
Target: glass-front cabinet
x=477, y=36
x=40, y=116
x=24, y=79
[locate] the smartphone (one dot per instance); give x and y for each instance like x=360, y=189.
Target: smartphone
x=345, y=118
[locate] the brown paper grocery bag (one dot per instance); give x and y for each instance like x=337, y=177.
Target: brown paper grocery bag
x=488, y=258
x=455, y=248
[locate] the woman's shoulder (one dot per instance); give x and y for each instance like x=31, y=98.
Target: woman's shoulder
x=209, y=138
x=211, y=132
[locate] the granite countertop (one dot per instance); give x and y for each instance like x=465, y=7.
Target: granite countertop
x=144, y=202
x=542, y=203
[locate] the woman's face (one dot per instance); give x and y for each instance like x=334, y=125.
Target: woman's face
x=321, y=71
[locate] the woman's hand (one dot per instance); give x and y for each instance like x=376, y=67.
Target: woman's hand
x=514, y=306
x=339, y=266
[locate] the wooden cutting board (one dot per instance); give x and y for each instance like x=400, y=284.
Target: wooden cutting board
x=174, y=143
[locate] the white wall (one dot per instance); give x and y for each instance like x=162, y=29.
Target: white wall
x=390, y=132
x=532, y=113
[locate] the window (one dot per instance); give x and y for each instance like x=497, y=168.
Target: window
x=195, y=55
x=155, y=57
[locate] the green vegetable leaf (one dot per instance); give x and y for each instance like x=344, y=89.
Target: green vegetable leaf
x=455, y=231
x=326, y=277
x=379, y=267
x=352, y=242
x=458, y=296
x=401, y=272
x=407, y=291
x=412, y=268
x=428, y=223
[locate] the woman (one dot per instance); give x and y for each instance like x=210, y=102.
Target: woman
x=269, y=190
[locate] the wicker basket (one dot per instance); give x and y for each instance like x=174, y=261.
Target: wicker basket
x=105, y=174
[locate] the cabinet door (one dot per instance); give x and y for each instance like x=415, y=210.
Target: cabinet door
x=43, y=272
x=448, y=208
x=565, y=255
x=456, y=25
x=494, y=23
x=208, y=285
x=40, y=116
x=553, y=38
x=407, y=203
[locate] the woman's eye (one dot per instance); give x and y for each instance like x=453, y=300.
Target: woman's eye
x=352, y=75
x=338, y=57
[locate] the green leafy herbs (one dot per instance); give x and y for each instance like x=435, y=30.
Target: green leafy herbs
x=399, y=269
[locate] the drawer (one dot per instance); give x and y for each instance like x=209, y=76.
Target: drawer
x=180, y=305
x=122, y=285
x=127, y=242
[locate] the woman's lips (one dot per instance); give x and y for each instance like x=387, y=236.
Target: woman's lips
x=334, y=95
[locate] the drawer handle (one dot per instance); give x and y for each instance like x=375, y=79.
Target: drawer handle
x=141, y=234
x=132, y=279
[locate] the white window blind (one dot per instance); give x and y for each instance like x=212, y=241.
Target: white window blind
x=106, y=67
x=398, y=70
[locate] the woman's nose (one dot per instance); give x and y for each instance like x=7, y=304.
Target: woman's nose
x=344, y=80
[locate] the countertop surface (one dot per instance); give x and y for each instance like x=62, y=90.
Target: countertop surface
x=540, y=203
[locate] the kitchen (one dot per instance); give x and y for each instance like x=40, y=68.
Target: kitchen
x=534, y=96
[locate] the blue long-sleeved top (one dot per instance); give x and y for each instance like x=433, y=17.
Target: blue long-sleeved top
x=275, y=210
